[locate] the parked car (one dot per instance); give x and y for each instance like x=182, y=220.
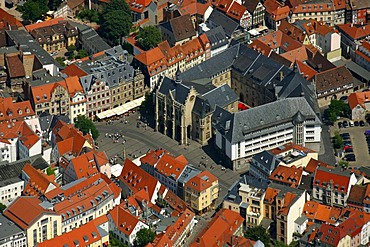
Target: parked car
x=357, y=123
x=348, y=150
x=362, y=123
x=340, y=125
x=345, y=135
x=350, y=157
x=345, y=124
x=351, y=123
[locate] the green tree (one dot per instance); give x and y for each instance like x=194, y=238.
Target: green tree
x=143, y=237
x=338, y=141
x=116, y=21
x=54, y=4
x=82, y=53
x=149, y=37
x=114, y=242
x=60, y=60
x=279, y=244
x=86, y=125
x=71, y=48
x=338, y=108
x=33, y=10
x=2, y=208
x=258, y=233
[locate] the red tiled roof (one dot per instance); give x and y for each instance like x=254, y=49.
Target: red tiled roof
x=123, y=220
x=74, y=70
x=25, y=218
x=175, y=202
x=319, y=212
x=305, y=70
x=43, y=93
x=288, y=175
x=355, y=31
x=352, y=226
x=331, y=235
x=137, y=179
x=138, y=5
x=261, y=47
x=340, y=182
x=224, y=223
x=7, y=19
x=152, y=157
x=83, y=236
x=73, y=85
x=313, y=164
x=85, y=165
x=48, y=23
x=278, y=39
x=290, y=147
x=74, y=3
x=170, y=167
x=359, y=98
x=10, y=110
x=276, y=10
x=202, y=181
x=194, y=8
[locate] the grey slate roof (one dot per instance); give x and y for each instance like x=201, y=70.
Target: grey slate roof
x=90, y=37
x=27, y=44
x=242, y=125
x=10, y=172
x=181, y=27
x=178, y=90
x=301, y=220
x=217, y=37
x=222, y=96
x=8, y=228
x=294, y=85
x=212, y=66
x=267, y=160
x=217, y=18
x=110, y=67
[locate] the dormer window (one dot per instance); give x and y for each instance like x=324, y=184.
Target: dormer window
x=20, y=112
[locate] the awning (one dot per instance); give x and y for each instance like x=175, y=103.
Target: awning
x=122, y=109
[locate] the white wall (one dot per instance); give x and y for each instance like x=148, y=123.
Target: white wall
x=294, y=213
x=10, y=192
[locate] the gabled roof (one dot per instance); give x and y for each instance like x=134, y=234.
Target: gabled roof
x=241, y=125
x=10, y=110
x=291, y=30
x=48, y=23
x=7, y=20
x=251, y=5
x=276, y=10
x=170, y=167
x=332, y=79
x=152, y=157
x=43, y=93
x=287, y=175
x=87, y=165
x=73, y=85
x=202, y=181
x=74, y=70
x=278, y=39
x=83, y=236
x=322, y=213
x=25, y=218
x=181, y=27
x=137, y=179
x=123, y=220
x=313, y=164
x=340, y=180
x=355, y=31
x=74, y=3
x=194, y=8
x=15, y=66
x=218, y=18
x=331, y=235
x=223, y=224
x=176, y=89
x=359, y=98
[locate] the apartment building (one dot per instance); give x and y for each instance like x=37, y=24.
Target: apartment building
x=362, y=56
x=178, y=30
x=15, y=111
x=248, y=202
x=241, y=135
x=93, y=233
x=54, y=35
x=11, y=234
x=357, y=11
x=275, y=13
x=331, y=12
x=201, y=191
x=39, y=223
x=332, y=186
x=52, y=98
x=352, y=36
x=165, y=60
x=77, y=98
x=284, y=205
x=257, y=11
x=124, y=225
